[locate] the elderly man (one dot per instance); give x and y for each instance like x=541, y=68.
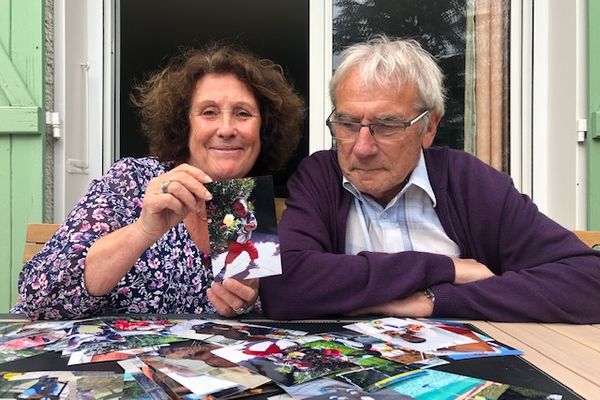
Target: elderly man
x=388, y=224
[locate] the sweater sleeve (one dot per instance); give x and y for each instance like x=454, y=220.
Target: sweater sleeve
x=318, y=278
x=543, y=272
x=51, y=284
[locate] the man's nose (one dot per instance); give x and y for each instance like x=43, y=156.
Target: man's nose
x=365, y=144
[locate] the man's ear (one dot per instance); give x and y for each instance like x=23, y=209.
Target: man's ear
x=432, y=125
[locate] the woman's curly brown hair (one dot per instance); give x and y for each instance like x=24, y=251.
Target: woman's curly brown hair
x=164, y=103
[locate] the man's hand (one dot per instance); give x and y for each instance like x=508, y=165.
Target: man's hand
x=416, y=305
x=468, y=270
x=233, y=297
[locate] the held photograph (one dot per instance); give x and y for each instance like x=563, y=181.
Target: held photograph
x=242, y=228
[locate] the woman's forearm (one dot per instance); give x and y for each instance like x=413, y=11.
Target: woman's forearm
x=112, y=256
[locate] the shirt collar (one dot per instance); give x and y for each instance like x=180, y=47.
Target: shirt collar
x=419, y=178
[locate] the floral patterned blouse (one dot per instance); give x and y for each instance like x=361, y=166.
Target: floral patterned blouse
x=168, y=278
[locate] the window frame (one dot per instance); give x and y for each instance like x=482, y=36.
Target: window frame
x=559, y=85
x=531, y=161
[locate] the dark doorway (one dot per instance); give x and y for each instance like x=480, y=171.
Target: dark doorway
x=150, y=31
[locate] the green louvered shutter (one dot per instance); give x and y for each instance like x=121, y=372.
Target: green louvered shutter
x=21, y=134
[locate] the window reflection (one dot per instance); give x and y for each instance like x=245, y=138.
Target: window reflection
x=469, y=39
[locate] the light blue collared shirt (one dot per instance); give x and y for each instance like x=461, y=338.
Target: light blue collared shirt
x=407, y=222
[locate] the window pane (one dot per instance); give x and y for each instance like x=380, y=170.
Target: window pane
x=150, y=31
x=447, y=30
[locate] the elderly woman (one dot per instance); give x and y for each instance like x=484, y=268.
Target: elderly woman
x=135, y=243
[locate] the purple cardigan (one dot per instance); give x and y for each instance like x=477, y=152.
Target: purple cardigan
x=543, y=272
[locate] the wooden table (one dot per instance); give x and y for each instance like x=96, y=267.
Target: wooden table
x=568, y=353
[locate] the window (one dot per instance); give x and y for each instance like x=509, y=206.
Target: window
x=150, y=31
x=469, y=39
x=547, y=75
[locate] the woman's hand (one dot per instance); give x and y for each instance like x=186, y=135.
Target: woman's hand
x=233, y=297
x=167, y=200
x=170, y=197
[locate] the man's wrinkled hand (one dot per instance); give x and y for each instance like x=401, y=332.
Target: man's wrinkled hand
x=468, y=270
x=416, y=305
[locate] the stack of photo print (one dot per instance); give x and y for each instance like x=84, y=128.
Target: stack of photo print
x=387, y=358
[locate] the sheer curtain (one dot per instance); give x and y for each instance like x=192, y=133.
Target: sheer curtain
x=486, y=107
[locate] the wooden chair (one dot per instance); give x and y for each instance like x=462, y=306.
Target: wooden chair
x=591, y=238
x=35, y=238
x=279, y=207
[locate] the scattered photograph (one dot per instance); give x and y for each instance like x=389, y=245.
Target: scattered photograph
x=199, y=357
x=37, y=341
x=248, y=350
x=170, y=387
x=438, y=385
x=410, y=333
x=144, y=377
x=99, y=387
x=132, y=390
x=150, y=340
x=403, y=355
x=95, y=337
x=13, y=355
x=61, y=385
x=265, y=391
x=19, y=329
x=139, y=326
x=284, y=361
x=228, y=333
x=369, y=370
x=327, y=389
x=196, y=382
x=9, y=328
x=79, y=357
x=498, y=350
x=361, y=378
x=352, y=339
x=43, y=387
x=185, y=329
x=483, y=346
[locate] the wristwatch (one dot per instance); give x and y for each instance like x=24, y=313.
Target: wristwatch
x=430, y=295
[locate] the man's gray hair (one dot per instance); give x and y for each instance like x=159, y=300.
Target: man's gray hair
x=393, y=63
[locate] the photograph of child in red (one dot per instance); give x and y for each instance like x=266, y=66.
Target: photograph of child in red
x=244, y=223
x=243, y=229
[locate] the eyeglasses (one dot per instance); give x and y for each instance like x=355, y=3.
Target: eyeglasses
x=348, y=130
